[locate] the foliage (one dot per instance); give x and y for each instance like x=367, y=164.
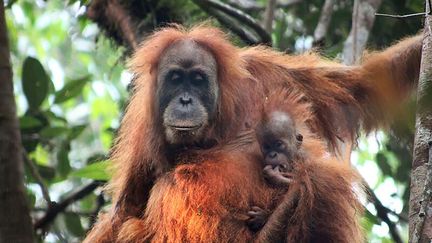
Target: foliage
x=71, y=87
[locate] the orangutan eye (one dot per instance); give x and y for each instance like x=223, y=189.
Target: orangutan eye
x=279, y=144
x=175, y=77
x=198, y=78
x=299, y=137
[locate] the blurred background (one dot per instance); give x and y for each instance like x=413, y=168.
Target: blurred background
x=71, y=86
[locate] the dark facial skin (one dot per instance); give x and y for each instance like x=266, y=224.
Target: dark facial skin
x=280, y=143
x=187, y=92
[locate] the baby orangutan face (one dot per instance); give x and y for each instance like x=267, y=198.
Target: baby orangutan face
x=280, y=142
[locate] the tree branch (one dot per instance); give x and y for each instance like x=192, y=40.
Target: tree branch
x=362, y=22
x=57, y=208
x=323, y=23
x=245, y=35
x=269, y=15
x=254, y=6
x=39, y=180
x=100, y=202
x=401, y=16
x=382, y=213
x=243, y=18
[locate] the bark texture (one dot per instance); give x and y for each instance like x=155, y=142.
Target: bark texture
x=269, y=15
x=362, y=22
x=324, y=21
x=420, y=220
x=15, y=221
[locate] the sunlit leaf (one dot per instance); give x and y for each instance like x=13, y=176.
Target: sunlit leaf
x=35, y=82
x=371, y=218
x=40, y=155
x=95, y=171
x=29, y=10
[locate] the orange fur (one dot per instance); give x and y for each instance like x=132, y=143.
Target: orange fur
x=207, y=196
x=322, y=189
x=340, y=99
x=343, y=99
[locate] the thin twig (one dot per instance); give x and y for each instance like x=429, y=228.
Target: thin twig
x=100, y=202
x=401, y=16
x=84, y=214
x=382, y=213
x=238, y=15
x=38, y=178
x=57, y=208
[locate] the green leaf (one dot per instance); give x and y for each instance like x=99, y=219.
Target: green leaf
x=52, y=117
x=46, y=172
x=371, y=218
x=40, y=155
x=76, y=131
x=63, y=163
x=35, y=82
x=88, y=202
x=73, y=224
x=51, y=132
x=29, y=122
x=95, y=171
x=71, y=89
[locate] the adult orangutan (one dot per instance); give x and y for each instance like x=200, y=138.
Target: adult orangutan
x=195, y=93
x=207, y=196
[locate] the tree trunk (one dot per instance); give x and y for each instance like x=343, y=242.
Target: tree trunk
x=15, y=221
x=420, y=220
x=362, y=21
x=324, y=21
x=269, y=15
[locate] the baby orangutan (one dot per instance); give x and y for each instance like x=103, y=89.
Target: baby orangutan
x=313, y=186
x=280, y=144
